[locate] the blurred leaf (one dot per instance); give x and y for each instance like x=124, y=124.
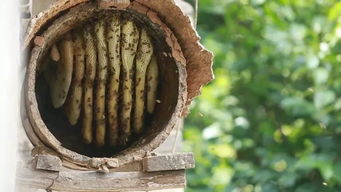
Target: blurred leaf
x=297, y=106
x=271, y=119
x=335, y=11
x=321, y=76
x=323, y=98
x=222, y=151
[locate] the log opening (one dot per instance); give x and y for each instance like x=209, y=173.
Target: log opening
x=52, y=125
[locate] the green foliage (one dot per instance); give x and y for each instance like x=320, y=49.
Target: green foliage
x=271, y=119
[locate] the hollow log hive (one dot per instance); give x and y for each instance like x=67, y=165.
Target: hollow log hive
x=107, y=82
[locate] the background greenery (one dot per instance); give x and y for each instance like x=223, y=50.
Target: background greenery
x=271, y=120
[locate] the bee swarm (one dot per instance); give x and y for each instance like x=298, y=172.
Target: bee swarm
x=104, y=75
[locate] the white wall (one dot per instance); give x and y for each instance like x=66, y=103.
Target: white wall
x=9, y=92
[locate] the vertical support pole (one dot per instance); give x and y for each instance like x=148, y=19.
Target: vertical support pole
x=9, y=94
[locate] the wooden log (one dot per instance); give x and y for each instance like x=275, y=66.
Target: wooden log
x=167, y=114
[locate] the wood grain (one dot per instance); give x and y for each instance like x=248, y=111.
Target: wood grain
x=89, y=181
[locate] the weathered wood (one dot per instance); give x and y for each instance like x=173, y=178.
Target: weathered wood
x=166, y=162
x=29, y=180
x=26, y=149
x=48, y=162
x=152, y=163
x=87, y=181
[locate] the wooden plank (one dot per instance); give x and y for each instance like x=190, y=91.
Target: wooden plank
x=166, y=162
x=28, y=179
x=48, y=162
x=86, y=181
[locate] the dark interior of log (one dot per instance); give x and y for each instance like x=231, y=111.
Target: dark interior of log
x=70, y=136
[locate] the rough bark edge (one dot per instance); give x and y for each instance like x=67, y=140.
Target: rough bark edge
x=60, y=26
x=199, y=60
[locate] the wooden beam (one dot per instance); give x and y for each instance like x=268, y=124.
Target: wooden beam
x=77, y=181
